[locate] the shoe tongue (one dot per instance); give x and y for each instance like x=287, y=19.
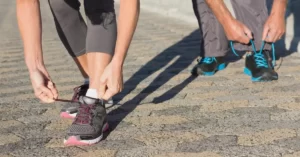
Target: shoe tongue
x=88, y=100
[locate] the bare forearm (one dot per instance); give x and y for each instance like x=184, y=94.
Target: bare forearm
x=29, y=21
x=128, y=18
x=279, y=7
x=220, y=10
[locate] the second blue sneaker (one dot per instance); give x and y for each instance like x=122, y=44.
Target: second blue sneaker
x=208, y=66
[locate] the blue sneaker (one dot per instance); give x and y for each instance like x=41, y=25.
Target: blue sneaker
x=208, y=66
x=258, y=64
x=259, y=68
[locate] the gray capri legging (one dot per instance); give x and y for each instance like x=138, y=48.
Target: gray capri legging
x=97, y=35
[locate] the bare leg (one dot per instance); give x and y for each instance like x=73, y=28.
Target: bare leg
x=96, y=65
x=100, y=40
x=81, y=62
x=72, y=30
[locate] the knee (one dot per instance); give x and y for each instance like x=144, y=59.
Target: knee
x=59, y=6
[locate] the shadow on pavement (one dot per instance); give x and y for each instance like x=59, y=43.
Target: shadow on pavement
x=281, y=47
x=184, y=53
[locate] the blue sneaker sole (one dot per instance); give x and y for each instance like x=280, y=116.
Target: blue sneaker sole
x=259, y=79
x=211, y=73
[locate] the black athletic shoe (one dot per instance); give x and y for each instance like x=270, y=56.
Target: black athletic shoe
x=89, y=123
x=259, y=67
x=208, y=66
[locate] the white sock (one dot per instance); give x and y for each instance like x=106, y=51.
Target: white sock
x=92, y=93
x=86, y=81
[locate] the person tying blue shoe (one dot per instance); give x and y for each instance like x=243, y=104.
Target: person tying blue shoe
x=253, y=30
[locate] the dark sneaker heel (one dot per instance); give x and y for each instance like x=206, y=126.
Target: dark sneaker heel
x=208, y=66
x=77, y=141
x=219, y=68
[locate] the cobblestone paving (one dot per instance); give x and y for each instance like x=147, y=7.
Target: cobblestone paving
x=164, y=113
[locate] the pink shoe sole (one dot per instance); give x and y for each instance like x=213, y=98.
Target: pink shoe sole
x=74, y=141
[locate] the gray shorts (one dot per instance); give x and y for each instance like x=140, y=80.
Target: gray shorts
x=97, y=35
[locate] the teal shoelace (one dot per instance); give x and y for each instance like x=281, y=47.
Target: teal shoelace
x=258, y=55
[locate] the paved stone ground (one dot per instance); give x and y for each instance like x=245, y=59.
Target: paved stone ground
x=164, y=113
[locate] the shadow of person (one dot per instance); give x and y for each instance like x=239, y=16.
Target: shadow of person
x=183, y=52
x=294, y=9
x=284, y=49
